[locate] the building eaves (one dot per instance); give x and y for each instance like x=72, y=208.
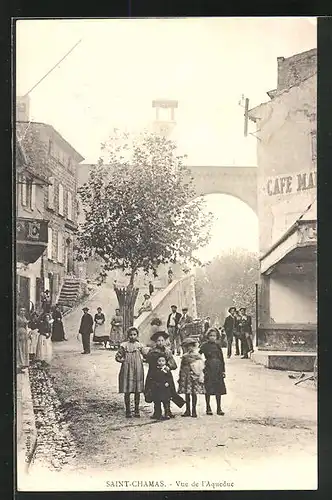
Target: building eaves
x=79, y=158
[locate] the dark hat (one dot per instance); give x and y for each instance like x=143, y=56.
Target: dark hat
x=233, y=308
x=147, y=295
x=85, y=309
x=184, y=308
x=189, y=341
x=242, y=309
x=175, y=307
x=155, y=335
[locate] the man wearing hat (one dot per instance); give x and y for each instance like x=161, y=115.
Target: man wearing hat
x=184, y=324
x=231, y=328
x=245, y=324
x=86, y=328
x=173, y=329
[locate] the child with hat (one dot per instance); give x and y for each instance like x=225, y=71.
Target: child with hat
x=131, y=376
x=191, y=377
x=153, y=375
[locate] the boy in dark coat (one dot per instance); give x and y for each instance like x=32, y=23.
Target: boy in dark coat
x=162, y=389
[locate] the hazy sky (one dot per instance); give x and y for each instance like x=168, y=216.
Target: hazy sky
x=120, y=66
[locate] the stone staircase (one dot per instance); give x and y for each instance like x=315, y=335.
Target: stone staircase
x=70, y=292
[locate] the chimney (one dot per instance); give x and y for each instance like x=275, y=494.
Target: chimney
x=22, y=108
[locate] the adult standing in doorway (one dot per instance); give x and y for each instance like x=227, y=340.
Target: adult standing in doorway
x=46, y=302
x=86, y=328
x=173, y=330
x=230, y=326
x=245, y=324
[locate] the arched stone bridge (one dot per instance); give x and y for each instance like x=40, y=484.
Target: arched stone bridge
x=240, y=182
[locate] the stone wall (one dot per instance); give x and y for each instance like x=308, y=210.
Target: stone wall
x=180, y=292
x=294, y=338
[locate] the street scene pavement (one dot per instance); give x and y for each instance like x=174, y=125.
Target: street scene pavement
x=269, y=424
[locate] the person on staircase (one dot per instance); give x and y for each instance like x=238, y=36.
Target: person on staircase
x=131, y=376
x=58, y=332
x=85, y=330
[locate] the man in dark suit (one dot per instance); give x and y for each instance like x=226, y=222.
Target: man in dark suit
x=173, y=330
x=86, y=328
x=231, y=327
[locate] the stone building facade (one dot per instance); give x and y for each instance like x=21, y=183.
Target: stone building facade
x=60, y=206
x=286, y=156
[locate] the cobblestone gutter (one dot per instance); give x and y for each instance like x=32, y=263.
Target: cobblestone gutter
x=25, y=424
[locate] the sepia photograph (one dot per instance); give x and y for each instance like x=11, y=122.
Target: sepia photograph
x=165, y=320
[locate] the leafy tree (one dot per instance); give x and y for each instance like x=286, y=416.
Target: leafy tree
x=141, y=210
x=228, y=280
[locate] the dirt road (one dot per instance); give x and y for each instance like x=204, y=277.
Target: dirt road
x=267, y=438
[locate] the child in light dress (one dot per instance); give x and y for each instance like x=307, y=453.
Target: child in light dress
x=131, y=376
x=191, y=376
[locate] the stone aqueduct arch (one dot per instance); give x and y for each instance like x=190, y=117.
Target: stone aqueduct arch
x=240, y=182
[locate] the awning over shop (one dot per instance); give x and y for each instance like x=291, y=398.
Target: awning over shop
x=297, y=244
x=31, y=239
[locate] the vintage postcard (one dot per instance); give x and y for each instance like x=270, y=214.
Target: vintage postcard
x=166, y=322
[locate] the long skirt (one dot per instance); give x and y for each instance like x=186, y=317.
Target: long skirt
x=34, y=334
x=58, y=333
x=131, y=376
x=22, y=348
x=44, y=349
x=116, y=335
x=99, y=334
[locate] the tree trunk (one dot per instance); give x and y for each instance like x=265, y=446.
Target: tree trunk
x=126, y=298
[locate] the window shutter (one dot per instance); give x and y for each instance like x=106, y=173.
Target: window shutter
x=50, y=243
x=60, y=247
x=24, y=191
x=51, y=193
x=60, y=199
x=33, y=196
x=70, y=206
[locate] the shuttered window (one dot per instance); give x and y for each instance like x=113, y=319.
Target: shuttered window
x=33, y=196
x=23, y=191
x=60, y=247
x=61, y=199
x=50, y=244
x=69, y=206
x=51, y=193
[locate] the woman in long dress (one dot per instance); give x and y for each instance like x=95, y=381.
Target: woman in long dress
x=33, y=335
x=58, y=332
x=116, y=335
x=44, y=344
x=99, y=333
x=22, y=345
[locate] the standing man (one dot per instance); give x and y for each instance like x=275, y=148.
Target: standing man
x=207, y=324
x=245, y=324
x=86, y=329
x=46, y=302
x=184, y=324
x=151, y=288
x=173, y=329
x=230, y=326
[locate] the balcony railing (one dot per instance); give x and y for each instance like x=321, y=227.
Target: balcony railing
x=31, y=239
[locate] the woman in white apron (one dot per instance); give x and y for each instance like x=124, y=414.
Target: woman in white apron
x=33, y=335
x=99, y=334
x=44, y=344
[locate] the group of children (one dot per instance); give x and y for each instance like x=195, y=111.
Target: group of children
x=195, y=376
